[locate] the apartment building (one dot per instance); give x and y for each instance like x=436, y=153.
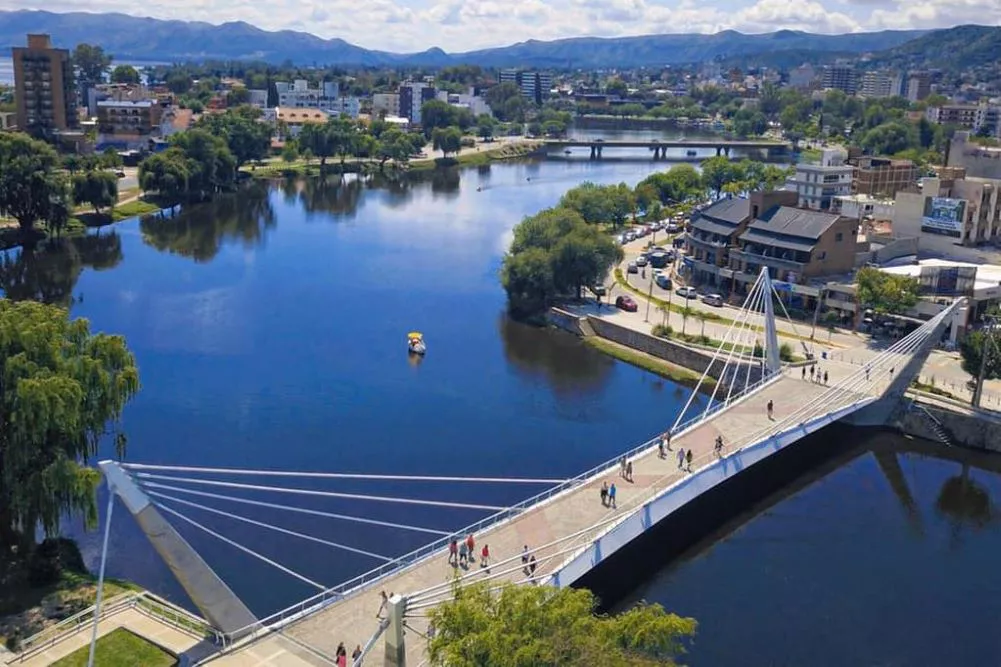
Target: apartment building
x=882, y=177
x=978, y=161
x=839, y=77
x=818, y=184
x=988, y=120
x=795, y=245
x=476, y=104
x=299, y=95
x=43, y=87
x=715, y=230
x=803, y=77
x=291, y=120
x=534, y=85
x=413, y=95
x=386, y=104
x=128, y=117
x=960, y=115
x=878, y=84
x=918, y=86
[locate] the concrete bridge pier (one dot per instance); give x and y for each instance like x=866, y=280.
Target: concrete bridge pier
x=659, y=153
x=721, y=150
x=595, y=152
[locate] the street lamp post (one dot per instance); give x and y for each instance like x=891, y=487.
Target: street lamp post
x=649, y=296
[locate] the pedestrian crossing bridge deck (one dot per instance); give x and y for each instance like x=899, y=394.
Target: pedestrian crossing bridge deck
x=568, y=529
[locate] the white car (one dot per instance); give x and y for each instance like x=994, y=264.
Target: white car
x=642, y=261
x=712, y=300
x=686, y=292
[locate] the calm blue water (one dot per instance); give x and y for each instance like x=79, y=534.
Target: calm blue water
x=270, y=332
x=889, y=559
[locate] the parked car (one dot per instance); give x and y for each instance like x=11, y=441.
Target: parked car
x=712, y=300
x=663, y=281
x=632, y=268
x=686, y=292
x=660, y=259
x=642, y=260
x=626, y=303
x=672, y=228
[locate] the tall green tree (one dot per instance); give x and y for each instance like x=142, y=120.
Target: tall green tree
x=447, y=140
x=717, y=172
x=549, y=627
x=211, y=167
x=91, y=63
x=31, y=188
x=317, y=139
x=97, y=188
x=63, y=392
x=974, y=346
x=247, y=138
x=165, y=173
x=125, y=74
x=884, y=292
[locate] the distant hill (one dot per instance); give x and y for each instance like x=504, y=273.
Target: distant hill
x=954, y=48
x=145, y=39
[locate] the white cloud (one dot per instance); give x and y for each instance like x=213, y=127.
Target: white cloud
x=460, y=25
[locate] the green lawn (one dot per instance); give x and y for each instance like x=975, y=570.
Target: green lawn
x=120, y=648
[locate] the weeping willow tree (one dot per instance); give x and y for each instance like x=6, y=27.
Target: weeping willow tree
x=62, y=390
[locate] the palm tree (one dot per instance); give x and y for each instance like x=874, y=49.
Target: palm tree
x=702, y=316
x=665, y=315
x=686, y=312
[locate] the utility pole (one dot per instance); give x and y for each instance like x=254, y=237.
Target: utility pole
x=649, y=296
x=985, y=350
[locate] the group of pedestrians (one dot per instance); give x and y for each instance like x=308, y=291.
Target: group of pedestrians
x=608, y=494
x=342, y=653
x=685, y=459
x=528, y=563
x=664, y=444
x=463, y=553
x=626, y=469
x=816, y=376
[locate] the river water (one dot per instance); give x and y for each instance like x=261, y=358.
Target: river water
x=270, y=332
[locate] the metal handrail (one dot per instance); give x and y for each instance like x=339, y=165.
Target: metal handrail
x=350, y=586
x=53, y=634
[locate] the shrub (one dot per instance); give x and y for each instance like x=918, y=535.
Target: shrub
x=785, y=352
x=663, y=330
x=53, y=556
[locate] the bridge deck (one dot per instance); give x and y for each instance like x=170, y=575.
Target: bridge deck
x=669, y=143
x=353, y=620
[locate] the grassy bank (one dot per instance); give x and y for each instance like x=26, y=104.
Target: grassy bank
x=26, y=610
x=507, y=151
x=121, y=212
x=665, y=369
x=120, y=648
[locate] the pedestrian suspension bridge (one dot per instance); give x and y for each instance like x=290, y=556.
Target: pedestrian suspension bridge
x=561, y=522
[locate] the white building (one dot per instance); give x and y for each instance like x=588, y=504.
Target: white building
x=298, y=94
x=344, y=106
x=863, y=206
x=387, y=103
x=258, y=98
x=477, y=105
x=879, y=84
x=802, y=77
x=818, y=184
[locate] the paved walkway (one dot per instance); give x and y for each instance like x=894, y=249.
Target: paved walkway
x=160, y=633
x=353, y=620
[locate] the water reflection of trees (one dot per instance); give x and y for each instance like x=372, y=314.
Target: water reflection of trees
x=334, y=195
x=200, y=231
x=561, y=360
x=964, y=502
x=48, y=271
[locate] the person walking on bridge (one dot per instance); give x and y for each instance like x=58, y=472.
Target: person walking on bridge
x=382, y=604
x=485, y=557
x=471, y=545
x=611, y=495
x=770, y=408
x=453, y=553
x=463, y=553
x=629, y=471
x=688, y=459
x=681, y=457
x=604, y=494
x=719, y=439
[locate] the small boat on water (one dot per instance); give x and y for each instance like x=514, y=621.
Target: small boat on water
x=568, y=152
x=415, y=343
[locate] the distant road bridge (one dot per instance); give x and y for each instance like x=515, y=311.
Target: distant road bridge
x=659, y=147
x=757, y=409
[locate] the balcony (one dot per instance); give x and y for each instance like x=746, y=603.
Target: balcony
x=707, y=241
x=789, y=263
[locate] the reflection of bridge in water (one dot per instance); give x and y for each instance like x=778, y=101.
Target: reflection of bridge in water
x=757, y=410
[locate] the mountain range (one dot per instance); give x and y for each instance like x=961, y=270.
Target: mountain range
x=131, y=38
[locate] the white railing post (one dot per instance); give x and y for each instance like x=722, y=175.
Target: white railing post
x=100, y=574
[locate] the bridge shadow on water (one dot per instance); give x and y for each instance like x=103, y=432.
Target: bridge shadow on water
x=859, y=533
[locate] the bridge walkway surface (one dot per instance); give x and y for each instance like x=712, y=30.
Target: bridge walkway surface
x=352, y=620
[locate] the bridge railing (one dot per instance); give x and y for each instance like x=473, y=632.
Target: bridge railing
x=351, y=586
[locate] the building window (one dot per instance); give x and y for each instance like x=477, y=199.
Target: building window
x=839, y=237
x=822, y=255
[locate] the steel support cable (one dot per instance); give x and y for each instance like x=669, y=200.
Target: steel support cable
x=850, y=384
x=337, y=475
x=702, y=379
x=751, y=335
x=324, y=494
x=733, y=348
x=286, y=531
x=738, y=342
x=300, y=510
x=789, y=319
x=242, y=548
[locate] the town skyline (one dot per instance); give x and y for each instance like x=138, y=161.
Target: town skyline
x=403, y=26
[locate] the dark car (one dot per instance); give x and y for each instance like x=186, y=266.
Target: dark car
x=626, y=303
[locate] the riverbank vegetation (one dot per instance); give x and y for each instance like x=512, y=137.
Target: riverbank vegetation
x=665, y=369
x=557, y=252
x=64, y=391
x=542, y=625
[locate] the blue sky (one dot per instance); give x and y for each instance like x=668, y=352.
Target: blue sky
x=457, y=25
